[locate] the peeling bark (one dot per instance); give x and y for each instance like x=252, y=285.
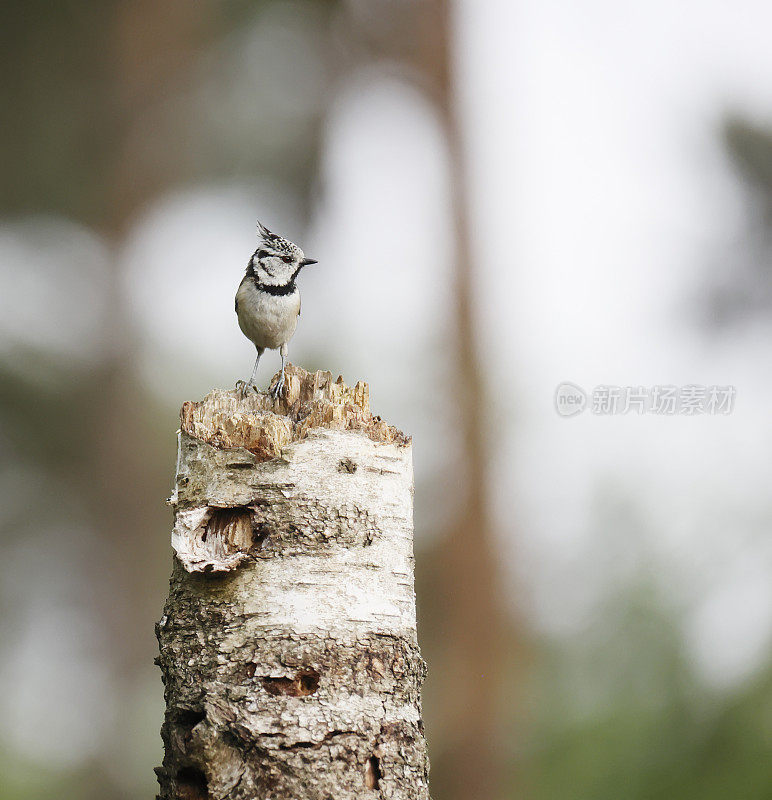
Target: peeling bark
x=288, y=642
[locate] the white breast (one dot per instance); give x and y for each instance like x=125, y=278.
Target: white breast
x=267, y=320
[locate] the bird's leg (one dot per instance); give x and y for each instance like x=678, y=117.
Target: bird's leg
x=254, y=369
x=243, y=388
x=279, y=387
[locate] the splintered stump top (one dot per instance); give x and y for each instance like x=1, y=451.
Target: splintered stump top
x=265, y=426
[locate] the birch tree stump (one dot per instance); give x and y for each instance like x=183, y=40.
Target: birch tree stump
x=288, y=642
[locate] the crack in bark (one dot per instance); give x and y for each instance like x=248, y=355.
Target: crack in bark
x=327, y=737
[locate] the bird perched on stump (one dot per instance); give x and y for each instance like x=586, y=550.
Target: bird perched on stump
x=268, y=300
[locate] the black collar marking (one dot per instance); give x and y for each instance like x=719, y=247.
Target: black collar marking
x=288, y=288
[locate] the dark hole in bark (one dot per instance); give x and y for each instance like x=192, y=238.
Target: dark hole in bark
x=189, y=717
x=309, y=682
x=192, y=784
x=373, y=772
x=303, y=684
x=234, y=530
x=260, y=533
x=228, y=522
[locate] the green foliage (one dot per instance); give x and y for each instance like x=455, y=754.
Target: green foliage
x=650, y=730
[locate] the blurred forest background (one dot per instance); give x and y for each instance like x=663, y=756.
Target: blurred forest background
x=501, y=196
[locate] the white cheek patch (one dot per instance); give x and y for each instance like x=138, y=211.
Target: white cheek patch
x=266, y=275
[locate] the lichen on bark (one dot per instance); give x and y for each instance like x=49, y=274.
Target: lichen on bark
x=288, y=642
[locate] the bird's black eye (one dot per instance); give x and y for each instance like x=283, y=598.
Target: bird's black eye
x=287, y=259
x=262, y=253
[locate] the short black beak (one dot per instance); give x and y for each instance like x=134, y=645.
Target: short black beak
x=306, y=261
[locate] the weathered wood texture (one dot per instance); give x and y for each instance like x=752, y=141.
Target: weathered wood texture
x=288, y=642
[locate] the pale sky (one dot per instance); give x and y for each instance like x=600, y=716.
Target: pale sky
x=602, y=194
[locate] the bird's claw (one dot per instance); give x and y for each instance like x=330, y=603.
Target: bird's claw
x=243, y=388
x=278, y=387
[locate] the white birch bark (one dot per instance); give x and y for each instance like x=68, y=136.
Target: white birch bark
x=288, y=643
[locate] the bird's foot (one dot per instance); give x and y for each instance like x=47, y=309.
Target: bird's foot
x=243, y=388
x=278, y=387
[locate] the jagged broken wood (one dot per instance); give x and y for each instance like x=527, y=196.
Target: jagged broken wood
x=288, y=642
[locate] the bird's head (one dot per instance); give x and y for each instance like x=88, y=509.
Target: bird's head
x=277, y=261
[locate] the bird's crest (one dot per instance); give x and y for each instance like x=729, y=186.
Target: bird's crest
x=275, y=242
x=264, y=232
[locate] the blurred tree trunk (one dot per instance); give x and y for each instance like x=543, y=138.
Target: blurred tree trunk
x=474, y=622
x=84, y=75
x=152, y=46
